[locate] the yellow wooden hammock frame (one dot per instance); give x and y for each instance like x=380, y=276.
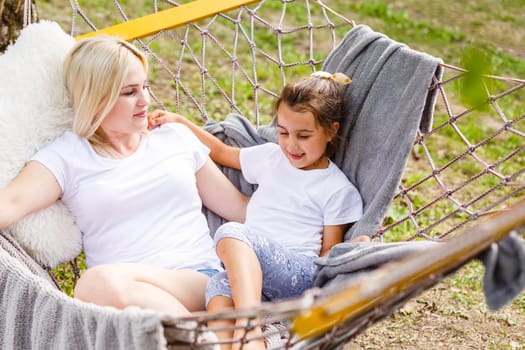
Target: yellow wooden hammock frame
x=168, y=19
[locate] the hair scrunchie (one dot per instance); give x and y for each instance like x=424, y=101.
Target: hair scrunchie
x=339, y=78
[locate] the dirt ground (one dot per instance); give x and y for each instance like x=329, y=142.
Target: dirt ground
x=448, y=316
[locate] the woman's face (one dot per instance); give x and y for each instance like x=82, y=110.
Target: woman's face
x=129, y=114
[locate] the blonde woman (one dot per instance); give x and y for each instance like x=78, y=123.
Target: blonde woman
x=136, y=195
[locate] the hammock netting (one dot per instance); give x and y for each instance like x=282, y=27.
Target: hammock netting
x=229, y=63
x=470, y=164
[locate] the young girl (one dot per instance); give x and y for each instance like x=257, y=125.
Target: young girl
x=303, y=204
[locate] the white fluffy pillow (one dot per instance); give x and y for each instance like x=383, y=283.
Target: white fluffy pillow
x=34, y=110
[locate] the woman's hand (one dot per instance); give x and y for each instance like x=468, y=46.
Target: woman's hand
x=159, y=117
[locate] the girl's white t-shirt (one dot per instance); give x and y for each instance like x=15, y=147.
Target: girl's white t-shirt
x=141, y=209
x=291, y=205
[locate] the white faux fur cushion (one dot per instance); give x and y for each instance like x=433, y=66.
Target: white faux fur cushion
x=34, y=110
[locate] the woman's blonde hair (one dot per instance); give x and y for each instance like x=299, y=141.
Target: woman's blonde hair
x=94, y=73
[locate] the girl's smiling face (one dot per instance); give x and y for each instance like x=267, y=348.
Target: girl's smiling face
x=302, y=140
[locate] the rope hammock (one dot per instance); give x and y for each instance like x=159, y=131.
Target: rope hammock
x=463, y=181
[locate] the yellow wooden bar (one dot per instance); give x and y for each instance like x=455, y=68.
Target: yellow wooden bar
x=167, y=19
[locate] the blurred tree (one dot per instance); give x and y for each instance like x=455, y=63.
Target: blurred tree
x=14, y=14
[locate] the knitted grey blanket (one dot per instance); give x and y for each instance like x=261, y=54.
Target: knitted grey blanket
x=36, y=315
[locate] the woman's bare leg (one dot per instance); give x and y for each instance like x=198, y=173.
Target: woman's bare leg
x=177, y=292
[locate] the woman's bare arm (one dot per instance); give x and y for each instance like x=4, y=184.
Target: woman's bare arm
x=219, y=194
x=33, y=189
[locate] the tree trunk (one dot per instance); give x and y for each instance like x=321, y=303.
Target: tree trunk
x=12, y=20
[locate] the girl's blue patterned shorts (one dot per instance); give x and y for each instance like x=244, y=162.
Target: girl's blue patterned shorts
x=285, y=273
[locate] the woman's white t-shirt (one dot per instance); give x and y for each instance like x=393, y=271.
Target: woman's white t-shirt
x=291, y=205
x=141, y=209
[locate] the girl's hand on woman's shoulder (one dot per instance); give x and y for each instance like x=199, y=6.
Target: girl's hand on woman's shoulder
x=159, y=117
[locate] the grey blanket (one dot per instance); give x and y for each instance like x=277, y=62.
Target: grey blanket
x=504, y=276
x=348, y=261
x=387, y=101
x=36, y=315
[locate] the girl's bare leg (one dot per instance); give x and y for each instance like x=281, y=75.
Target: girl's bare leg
x=245, y=276
x=219, y=303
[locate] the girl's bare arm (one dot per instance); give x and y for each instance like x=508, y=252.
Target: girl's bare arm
x=332, y=234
